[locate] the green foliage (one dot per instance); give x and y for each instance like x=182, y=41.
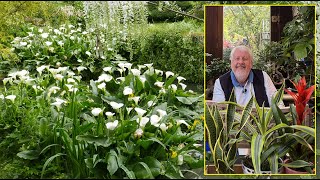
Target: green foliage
x=177, y=47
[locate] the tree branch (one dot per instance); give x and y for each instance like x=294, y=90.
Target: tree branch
x=179, y=12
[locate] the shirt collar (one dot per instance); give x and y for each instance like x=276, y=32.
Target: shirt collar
x=236, y=83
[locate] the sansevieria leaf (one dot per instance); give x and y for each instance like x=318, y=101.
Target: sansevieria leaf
x=256, y=149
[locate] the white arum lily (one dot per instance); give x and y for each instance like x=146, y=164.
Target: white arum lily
x=109, y=114
x=143, y=121
x=44, y=35
x=138, y=133
x=162, y=91
x=163, y=127
x=150, y=103
x=48, y=43
x=158, y=72
x=141, y=67
x=23, y=43
x=88, y=53
x=5, y=80
x=1, y=96
x=180, y=160
x=11, y=97
x=115, y=105
x=127, y=65
x=104, y=77
x=168, y=74
x=143, y=79
x=161, y=112
x=96, y=111
x=41, y=68
x=58, y=77
x=127, y=91
x=197, y=145
x=69, y=86
x=135, y=99
x=135, y=72
x=174, y=87
x=102, y=86
x=182, y=122
x=112, y=125
x=149, y=65
x=180, y=78
x=81, y=68
x=70, y=80
x=58, y=103
x=107, y=69
x=183, y=86
x=159, y=84
x=129, y=110
x=121, y=79
x=140, y=111
x=154, y=120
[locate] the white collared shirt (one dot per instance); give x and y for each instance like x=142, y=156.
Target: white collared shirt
x=242, y=97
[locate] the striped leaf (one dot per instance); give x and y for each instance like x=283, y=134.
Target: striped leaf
x=256, y=149
x=231, y=109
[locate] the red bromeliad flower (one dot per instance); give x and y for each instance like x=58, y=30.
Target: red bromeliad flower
x=301, y=98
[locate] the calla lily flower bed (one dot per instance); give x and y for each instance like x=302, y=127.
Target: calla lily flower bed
x=132, y=121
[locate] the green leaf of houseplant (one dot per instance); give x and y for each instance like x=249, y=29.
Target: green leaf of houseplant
x=256, y=149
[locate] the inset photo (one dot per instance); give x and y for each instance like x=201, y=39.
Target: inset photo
x=260, y=89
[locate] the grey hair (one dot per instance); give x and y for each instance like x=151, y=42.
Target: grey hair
x=241, y=48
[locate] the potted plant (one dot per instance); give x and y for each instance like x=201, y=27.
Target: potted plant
x=223, y=128
x=300, y=159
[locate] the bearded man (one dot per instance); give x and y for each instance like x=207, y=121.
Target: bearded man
x=244, y=80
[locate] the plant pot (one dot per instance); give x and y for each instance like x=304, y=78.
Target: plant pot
x=249, y=170
x=288, y=170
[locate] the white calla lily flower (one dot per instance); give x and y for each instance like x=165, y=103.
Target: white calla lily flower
x=161, y=112
x=180, y=160
x=112, y=125
x=138, y=133
x=154, y=120
x=143, y=121
x=182, y=122
x=127, y=91
x=129, y=110
x=102, y=86
x=149, y=65
x=116, y=105
x=81, y=68
x=140, y=111
x=159, y=84
x=107, y=69
x=183, y=86
x=150, y=103
x=136, y=72
x=135, y=99
x=159, y=72
x=143, y=79
x=44, y=35
x=104, y=77
x=109, y=114
x=11, y=97
x=70, y=80
x=174, y=87
x=168, y=74
x=96, y=111
x=48, y=43
x=141, y=67
x=163, y=127
x=180, y=78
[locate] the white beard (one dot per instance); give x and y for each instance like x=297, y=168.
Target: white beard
x=241, y=75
